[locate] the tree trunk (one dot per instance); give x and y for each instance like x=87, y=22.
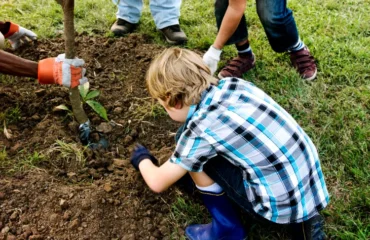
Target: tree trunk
x=69, y=34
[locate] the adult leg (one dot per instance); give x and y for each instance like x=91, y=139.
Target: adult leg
x=130, y=10
x=282, y=33
x=166, y=14
x=128, y=16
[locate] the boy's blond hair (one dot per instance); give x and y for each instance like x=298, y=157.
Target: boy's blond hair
x=180, y=76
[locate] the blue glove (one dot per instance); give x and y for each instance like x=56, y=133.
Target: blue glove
x=139, y=154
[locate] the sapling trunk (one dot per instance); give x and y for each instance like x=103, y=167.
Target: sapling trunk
x=69, y=34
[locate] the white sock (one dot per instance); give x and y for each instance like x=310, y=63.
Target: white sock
x=213, y=188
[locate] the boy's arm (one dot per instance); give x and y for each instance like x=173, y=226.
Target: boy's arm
x=160, y=178
x=230, y=22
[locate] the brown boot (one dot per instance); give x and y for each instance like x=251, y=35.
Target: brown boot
x=174, y=34
x=305, y=64
x=238, y=66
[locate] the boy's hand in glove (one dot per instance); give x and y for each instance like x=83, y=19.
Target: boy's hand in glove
x=211, y=58
x=139, y=154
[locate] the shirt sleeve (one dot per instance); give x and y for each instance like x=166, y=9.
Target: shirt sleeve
x=192, y=151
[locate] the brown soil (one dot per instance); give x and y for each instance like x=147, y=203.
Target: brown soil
x=105, y=198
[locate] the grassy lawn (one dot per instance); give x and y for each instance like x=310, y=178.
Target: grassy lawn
x=334, y=110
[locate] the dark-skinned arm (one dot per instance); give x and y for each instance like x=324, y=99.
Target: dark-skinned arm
x=16, y=66
x=47, y=71
x=13, y=65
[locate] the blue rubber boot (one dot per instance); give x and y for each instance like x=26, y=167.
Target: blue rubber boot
x=225, y=225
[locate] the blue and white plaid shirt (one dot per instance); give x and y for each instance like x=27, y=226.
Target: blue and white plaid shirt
x=281, y=168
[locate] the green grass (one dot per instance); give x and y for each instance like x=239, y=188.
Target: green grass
x=28, y=161
x=334, y=110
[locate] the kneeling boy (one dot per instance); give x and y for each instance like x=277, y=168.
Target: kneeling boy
x=239, y=146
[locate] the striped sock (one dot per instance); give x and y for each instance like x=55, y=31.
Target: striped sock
x=244, y=50
x=298, y=46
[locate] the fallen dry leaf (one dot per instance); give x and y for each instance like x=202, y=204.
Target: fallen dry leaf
x=6, y=132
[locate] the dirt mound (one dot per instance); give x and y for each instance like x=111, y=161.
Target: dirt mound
x=78, y=193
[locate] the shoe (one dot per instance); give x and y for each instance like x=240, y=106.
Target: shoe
x=174, y=34
x=238, y=66
x=225, y=223
x=122, y=27
x=305, y=64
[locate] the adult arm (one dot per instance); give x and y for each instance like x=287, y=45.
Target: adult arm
x=13, y=65
x=66, y=72
x=230, y=22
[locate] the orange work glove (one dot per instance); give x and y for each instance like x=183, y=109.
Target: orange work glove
x=66, y=72
x=17, y=35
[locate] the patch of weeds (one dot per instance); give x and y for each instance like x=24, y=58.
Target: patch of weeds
x=186, y=212
x=3, y=159
x=146, y=108
x=33, y=160
x=3, y=155
x=7, y=79
x=22, y=163
x=11, y=115
x=157, y=110
x=67, y=156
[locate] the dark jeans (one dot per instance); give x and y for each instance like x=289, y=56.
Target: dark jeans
x=230, y=178
x=276, y=18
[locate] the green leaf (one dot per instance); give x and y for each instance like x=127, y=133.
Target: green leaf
x=98, y=108
x=84, y=89
x=92, y=94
